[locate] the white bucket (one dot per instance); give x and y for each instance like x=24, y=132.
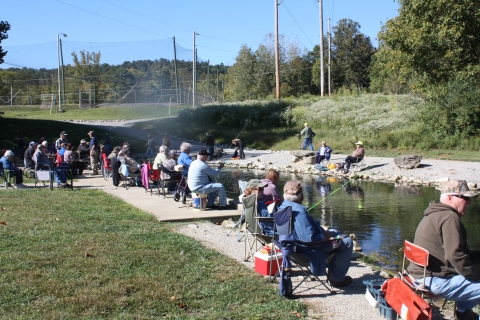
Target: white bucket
x=199, y=201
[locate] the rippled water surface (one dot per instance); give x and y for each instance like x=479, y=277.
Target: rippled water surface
x=381, y=215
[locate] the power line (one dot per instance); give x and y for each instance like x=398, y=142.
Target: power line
x=297, y=23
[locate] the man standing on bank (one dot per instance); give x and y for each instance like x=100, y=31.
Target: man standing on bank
x=307, y=135
x=94, y=151
x=451, y=272
x=210, y=144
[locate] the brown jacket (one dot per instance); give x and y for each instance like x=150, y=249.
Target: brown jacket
x=443, y=234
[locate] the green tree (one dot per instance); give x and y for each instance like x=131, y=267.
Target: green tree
x=240, y=76
x=435, y=39
x=4, y=28
x=88, y=66
x=352, y=52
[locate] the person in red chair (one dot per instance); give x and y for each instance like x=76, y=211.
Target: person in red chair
x=451, y=273
x=308, y=231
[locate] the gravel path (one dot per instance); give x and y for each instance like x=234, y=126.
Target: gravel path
x=346, y=304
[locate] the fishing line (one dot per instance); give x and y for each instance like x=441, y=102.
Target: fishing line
x=343, y=185
x=246, y=123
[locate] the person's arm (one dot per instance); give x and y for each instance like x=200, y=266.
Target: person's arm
x=455, y=249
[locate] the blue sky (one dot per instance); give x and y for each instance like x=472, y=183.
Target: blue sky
x=143, y=29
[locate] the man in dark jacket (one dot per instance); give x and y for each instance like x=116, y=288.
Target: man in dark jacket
x=210, y=144
x=450, y=271
x=28, y=156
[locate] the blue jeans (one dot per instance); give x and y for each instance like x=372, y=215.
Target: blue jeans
x=338, y=266
x=59, y=176
x=211, y=149
x=307, y=142
x=212, y=189
x=465, y=292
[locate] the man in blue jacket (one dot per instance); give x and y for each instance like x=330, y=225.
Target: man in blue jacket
x=200, y=180
x=307, y=230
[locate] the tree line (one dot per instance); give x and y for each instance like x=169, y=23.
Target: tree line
x=431, y=49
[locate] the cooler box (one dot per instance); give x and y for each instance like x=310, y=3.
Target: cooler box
x=263, y=261
x=178, y=168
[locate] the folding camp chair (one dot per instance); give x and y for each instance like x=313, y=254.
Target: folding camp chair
x=253, y=232
x=129, y=179
x=284, y=231
x=44, y=174
x=242, y=185
x=358, y=166
x=151, y=176
x=419, y=256
x=6, y=175
x=106, y=167
x=165, y=183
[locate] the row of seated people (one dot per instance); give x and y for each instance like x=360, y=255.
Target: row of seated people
x=324, y=153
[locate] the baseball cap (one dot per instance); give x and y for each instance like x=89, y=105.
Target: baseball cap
x=203, y=152
x=458, y=187
x=45, y=143
x=360, y=143
x=90, y=132
x=63, y=132
x=32, y=143
x=83, y=141
x=255, y=183
x=293, y=187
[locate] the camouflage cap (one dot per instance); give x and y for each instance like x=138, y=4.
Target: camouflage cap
x=458, y=187
x=293, y=187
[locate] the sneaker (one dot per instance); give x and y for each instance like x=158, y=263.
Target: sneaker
x=467, y=315
x=344, y=283
x=18, y=186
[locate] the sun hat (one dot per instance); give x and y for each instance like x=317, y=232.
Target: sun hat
x=457, y=187
x=255, y=183
x=9, y=153
x=203, y=152
x=293, y=187
x=360, y=143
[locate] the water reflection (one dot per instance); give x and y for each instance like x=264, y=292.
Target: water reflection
x=381, y=215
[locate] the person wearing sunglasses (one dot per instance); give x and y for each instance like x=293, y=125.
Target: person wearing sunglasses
x=451, y=272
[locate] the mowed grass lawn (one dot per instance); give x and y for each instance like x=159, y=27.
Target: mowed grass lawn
x=86, y=254
x=72, y=112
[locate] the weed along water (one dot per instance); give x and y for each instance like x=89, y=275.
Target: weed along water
x=381, y=215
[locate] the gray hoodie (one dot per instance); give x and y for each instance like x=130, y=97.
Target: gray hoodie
x=443, y=234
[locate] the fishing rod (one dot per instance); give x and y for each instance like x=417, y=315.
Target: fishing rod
x=247, y=121
x=343, y=185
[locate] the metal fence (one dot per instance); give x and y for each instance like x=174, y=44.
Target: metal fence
x=90, y=98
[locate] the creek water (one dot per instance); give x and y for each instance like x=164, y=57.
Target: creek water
x=381, y=215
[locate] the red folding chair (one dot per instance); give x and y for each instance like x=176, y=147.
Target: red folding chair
x=419, y=256
x=106, y=167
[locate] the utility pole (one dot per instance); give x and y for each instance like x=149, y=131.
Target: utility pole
x=322, y=76
x=194, y=85
x=175, y=66
x=277, y=63
x=329, y=58
x=59, y=79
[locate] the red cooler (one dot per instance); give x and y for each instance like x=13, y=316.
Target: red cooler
x=263, y=261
